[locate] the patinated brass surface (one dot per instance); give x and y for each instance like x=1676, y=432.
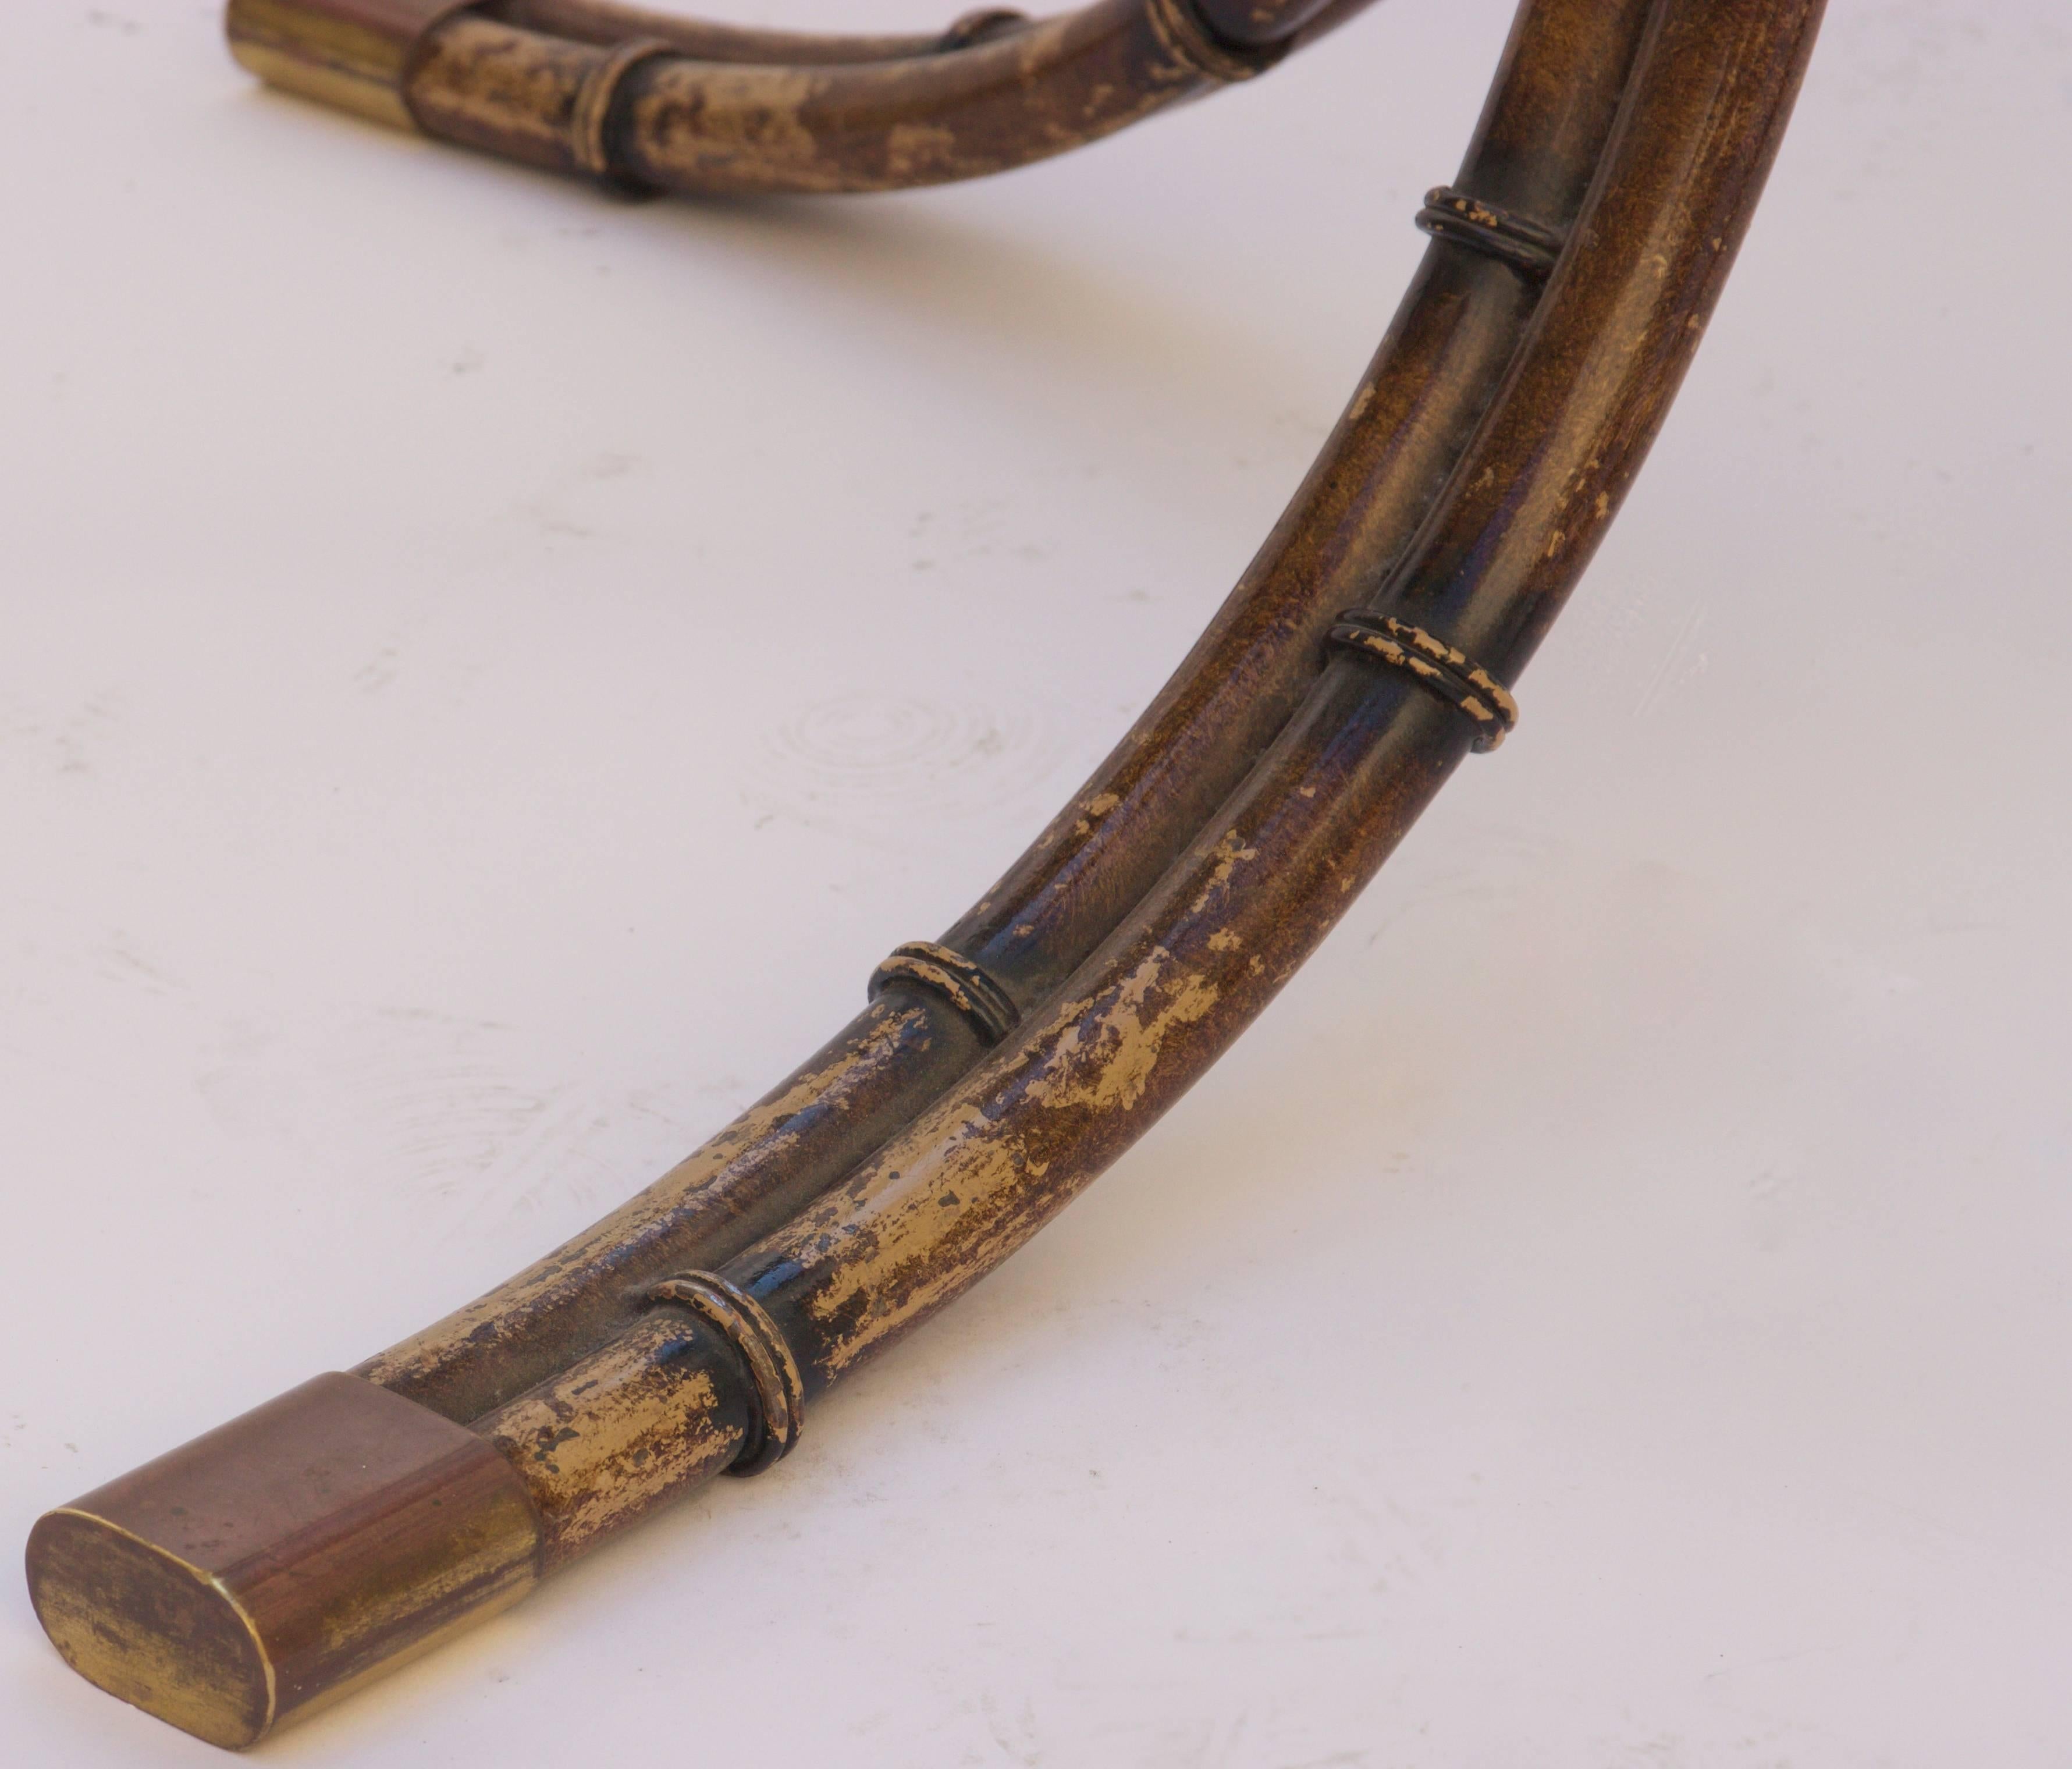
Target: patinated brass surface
x=282, y=1559
x=356, y=55
x=995, y=1073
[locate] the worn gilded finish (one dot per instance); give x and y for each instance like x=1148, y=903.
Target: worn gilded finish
x=658, y=1410
x=1417, y=405
x=743, y=1183
x=715, y=128
x=714, y=110
x=1370, y=646
x=983, y=1170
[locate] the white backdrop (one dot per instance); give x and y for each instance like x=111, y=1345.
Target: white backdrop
x=460, y=635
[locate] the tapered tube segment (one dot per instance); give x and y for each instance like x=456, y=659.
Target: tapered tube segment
x=282, y=1559
x=708, y=128
x=843, y=1102
x=643, y=99
x=1550, y=110
x=1378, y=476
x=985, y=1168
x=979, y=1172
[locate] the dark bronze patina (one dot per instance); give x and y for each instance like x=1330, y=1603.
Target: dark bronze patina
x=1372, y=644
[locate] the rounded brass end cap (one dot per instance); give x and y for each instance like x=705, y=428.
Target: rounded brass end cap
x=353, y=55
x=149, y=1629
x=278, y=1561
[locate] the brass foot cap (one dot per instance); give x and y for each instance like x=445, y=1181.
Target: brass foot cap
x=355, y=55
x=279, y=1560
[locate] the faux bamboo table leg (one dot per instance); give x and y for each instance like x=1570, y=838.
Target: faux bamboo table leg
x=352, y=1525
x=1535, y=150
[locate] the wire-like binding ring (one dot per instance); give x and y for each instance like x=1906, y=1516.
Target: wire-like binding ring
x=773, y=1372
x=1463, y=685
x=590, y=116
x=1524, y=245
x=1183, y=33
x=956, y=979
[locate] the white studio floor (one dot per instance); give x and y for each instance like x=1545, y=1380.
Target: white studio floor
x=486, y=670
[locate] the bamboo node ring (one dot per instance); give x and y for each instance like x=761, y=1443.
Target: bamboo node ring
x=964, y=984
x=773, y=1372
x=590, y=116
x=1463, y=684
x=1186, y=36
x=1498, y=233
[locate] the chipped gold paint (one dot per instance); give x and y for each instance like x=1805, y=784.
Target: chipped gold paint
x=958, y=1192
x=1447, y=671
x=1106, y=1054
x=478, y=1355
x=619, y=1433
x=774, y=1379
x=1231, y=854
x=703, y=126
x=911, y=149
